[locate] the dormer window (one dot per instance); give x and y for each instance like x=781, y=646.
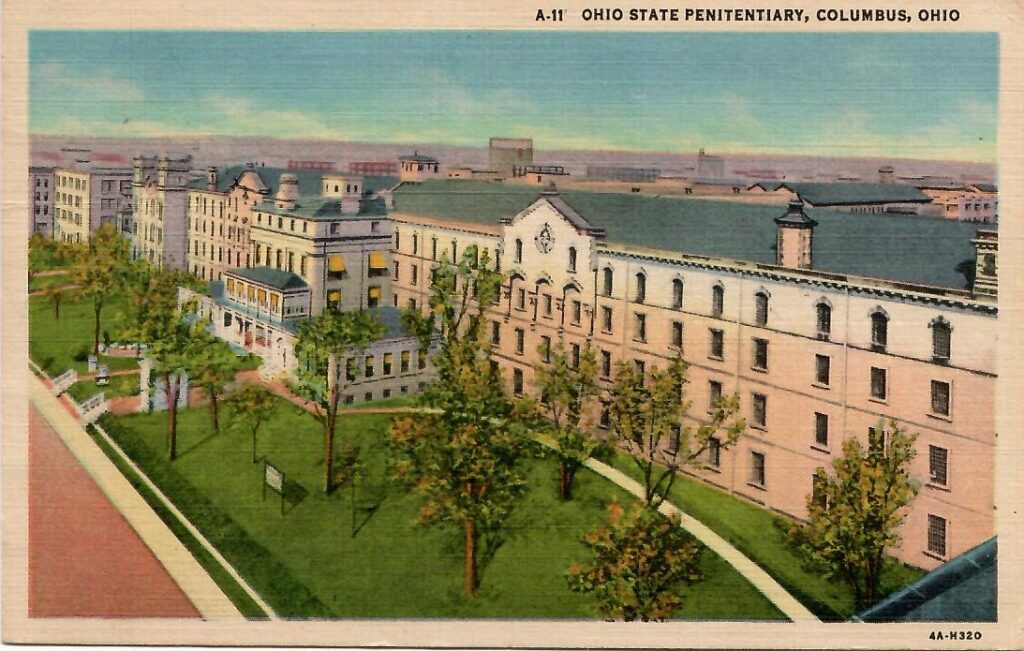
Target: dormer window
x=519, y=251
x=677, y=294
x=879, y=330
x=608, y=280
x=641, y=287
x=572, y=258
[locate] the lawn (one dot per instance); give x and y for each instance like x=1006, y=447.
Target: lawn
x=308, y=563
x=761, y=535
x=120, y=385
x=37, y=282
x=57, y=344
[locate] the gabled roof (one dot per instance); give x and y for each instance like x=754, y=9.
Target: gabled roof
x=551, y=196
x=844, y=194
x=275, y=278
x=985, y=187
x=961, y=590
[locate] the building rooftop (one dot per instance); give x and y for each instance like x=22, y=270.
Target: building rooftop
x=418, y=158
x=907, y=249
x=282, y=280
x=326, y=209
x=985, y=187
x=962, y=590
x=845, y=194
x=310, y=180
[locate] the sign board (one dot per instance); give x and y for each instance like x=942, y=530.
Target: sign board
x=273, y=477
x=92, y=363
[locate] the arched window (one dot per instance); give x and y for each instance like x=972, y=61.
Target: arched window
x=608, y=279
x=677, y=293
x=879, y=330
x=941, y=335
x=572, y=258
x=519, y=251
x=641, y=287
x=717, y=300
x=761, y=309
x=824, y=320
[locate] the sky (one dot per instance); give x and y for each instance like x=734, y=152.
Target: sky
x=919, y=95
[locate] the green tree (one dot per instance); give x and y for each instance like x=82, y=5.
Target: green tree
x=212, y=365
x=463, y=458
x=640, y=562
x=322, y=344
x=100, y=270
x=646, y=416
x=566, y=386
x=250, y=405
x=57, y=296
x=169, y=329
x=855, y=512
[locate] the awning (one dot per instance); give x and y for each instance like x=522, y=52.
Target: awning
x=334, y=296
x=274, y=300
x=374, y=292
x=377, y=260
x=336, y=263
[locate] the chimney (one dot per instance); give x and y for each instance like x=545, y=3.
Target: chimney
x=886, y=174
x=211, y=178
x=986, y=253
x=287, y=192
x=795, y=239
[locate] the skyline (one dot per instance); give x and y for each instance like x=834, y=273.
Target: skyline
x=924, y=96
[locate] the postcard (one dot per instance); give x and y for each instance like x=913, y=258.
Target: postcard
x=512, y=326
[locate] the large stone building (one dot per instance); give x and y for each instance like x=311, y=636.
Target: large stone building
x=86, y=197
x=159, y=226
x=874, y=326
x=505, y=154
x=40, y=194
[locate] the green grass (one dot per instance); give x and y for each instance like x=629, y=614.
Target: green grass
x=54, y=343
x=761, y=535
x=46, y=282
x=307, y=563
x=249, y=362
x=120, y=385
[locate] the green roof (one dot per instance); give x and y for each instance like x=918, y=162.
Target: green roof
x=844, y=194
x=282, y=280
x=310, y=181
x=325, y=209
x=907, y=248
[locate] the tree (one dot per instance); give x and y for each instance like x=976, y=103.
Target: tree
x=45, y=253
x=322, y=344
x=641, y=559
x=566, y=385
x=646, y=416
x=169, y=330
x=211, y=364
x=856, y=511
x=463, y=460
x=57, y=296
x=250, y=406
x=101, y=270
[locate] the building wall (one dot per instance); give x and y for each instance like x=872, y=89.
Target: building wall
x=788, y=383
x=159, y=219
x=218, y=236
x=40, y=191
x=84, y=200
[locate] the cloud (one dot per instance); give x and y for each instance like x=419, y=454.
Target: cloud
x=100, y=85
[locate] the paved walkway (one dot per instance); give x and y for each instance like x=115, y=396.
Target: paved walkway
x=180, y=565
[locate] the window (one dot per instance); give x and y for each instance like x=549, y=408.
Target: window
x=940, y=398
x=572, y=258
x=421, y=359
x=606, y=363
x=761, y=309
x=455, y=252
x=495, y=333
x=350, y=369
x=641, y=368
x=757, y=468
x=394, y=274
x=640, y=327
x=433, y=248
x=335, y=265
x=388, y=363
x=577, y=309
x=988, y=262
x=878, y=382
x=759, y=402
x=607, y=284
x=520, y=341
x=415, y=244
x=368, y=367
x=761, y=354
x=414, y=277
x=575, y=355
x=641, y=288
x=714, y=394
x=822, y=369
x=824, y=319
x=373, y=296
x=879, y=330
x=717, y=301
x=545, y=347
x=334, y=300
x=714, y=452
x=606, y=319
x=517, y=381
x=520, y=299
x=677, y=334
x=547, y=304
x=940, y=341
x=398, y=237
x=937, y=460
x=518, y=257
x=677, y=293
x=717, y=343
x=821, y=429
x=403, y=361
x=936, y=535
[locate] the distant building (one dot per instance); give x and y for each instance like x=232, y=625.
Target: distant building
x=540, y=174
x=159, y=221
x=709, y=167
x=322, y=165
x=978, y=202
x=464, y=173
x=505, y=154
x=898, y=198
x=374, y=168
x=86, y=197
x=623, y=173
x=713, y=186
x=418, y=168
x=40, y=194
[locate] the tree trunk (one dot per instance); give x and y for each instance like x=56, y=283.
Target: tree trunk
x=565, y=478
x=172, y=416
x=56, y=306
x=469, y=578
x=213, y=409
x=96, y=330
x=254, y=445
x=332, y=415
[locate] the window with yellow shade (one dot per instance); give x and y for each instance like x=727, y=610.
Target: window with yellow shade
x=252, y=293
x=335, y=266
x=262, y=295
x=373, y=296
x=231, y=285
x=275, y=301
x=378, y=264
x=334, y=300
